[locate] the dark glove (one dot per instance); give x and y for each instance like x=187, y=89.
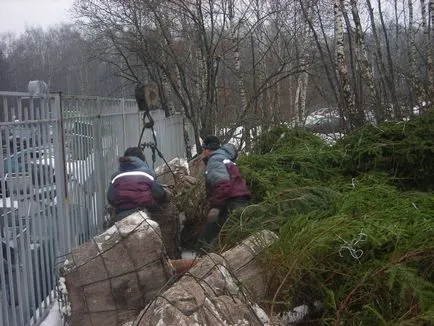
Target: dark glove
x=213, y=215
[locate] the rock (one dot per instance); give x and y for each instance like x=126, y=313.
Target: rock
x=110, y=278
x=176, y=170
x=196, y=167
x=216, y=291
x=188, y=193
x=177, y=179
x=167, y=217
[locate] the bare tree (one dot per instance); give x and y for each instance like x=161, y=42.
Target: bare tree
x=412, y=54
x=391, y=71
x=61, y=57
x=230, y=63
x=385, y=79
x=326, y=53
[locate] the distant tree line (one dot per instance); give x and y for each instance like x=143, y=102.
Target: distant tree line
x=250, y=63
x=61, y=57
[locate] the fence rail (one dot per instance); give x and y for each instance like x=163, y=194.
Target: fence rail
x=58, y=154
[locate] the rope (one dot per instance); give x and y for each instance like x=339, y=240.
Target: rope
x=352, y=246
x=153, y=145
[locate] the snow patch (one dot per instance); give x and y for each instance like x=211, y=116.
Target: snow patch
x=296, y=315
x=260, y=313
x=186, y=254
x=229, y=281
x=62, y=285
x=212, y=308
x=130, y=223
x=53, y=318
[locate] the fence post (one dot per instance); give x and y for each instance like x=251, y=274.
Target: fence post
x=99, y=167
x=124, y=124
x=63, y=230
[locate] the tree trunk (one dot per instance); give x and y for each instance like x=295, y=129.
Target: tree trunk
x=365, y=65
x=380, y=113
x=331, y=74
x=391, y=70
x=412, y=55
x=356, y=82
x=237, y=68
x=303, y=77
x=429, y=85
x=347, y=98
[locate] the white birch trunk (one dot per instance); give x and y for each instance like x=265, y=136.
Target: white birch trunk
x=241, y=88
x=366, y=67
x=412, y=46
x=303, y=77
x=428, y=50
x=237, y=59
x=237, y=68
x=303, y=95
x=347, y=93
x=297, y=100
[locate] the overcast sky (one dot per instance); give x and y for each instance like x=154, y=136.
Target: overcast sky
x=15, y=15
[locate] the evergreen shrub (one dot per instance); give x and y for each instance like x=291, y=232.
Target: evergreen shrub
x=355, y=223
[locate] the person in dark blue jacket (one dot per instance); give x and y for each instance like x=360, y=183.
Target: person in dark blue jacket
x=134, y=186
x=226, y=188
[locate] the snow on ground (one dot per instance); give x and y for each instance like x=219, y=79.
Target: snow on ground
x=186, y=254
x=53, y=318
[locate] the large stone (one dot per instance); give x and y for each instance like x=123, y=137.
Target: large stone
x=188, y=193
x=218, y=290
x=173, y=172
x=167, y=217
x=196, y=167
x=112, y=277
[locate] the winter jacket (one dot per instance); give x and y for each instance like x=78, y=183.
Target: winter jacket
x=134, y=186
x=223, y=178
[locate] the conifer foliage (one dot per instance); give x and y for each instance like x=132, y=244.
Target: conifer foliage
x=355, y=221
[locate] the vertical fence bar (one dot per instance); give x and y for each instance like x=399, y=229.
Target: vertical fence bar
x=38, y=231
x=4, y=222
x=35, y=227
x=47, y=221
x=124, y=123
x=41, y=257
x=4, y=311
x=25, y=244
x=99, y=163
x=62, y=239
x=50, y=191
x=17, y=159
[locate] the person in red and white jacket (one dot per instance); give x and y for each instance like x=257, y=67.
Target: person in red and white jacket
x=226, y=188
x=134, y=185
